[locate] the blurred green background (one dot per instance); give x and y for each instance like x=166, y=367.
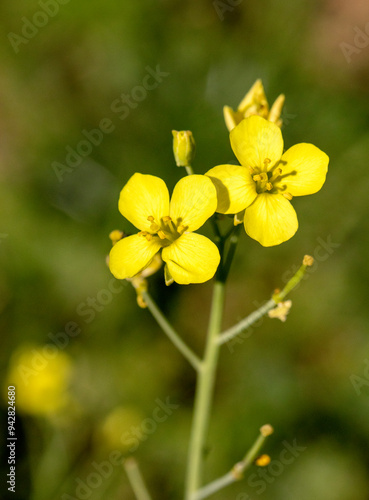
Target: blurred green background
x=308, y=377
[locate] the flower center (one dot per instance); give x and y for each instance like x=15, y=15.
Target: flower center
x=266, y=180
x=165, y=229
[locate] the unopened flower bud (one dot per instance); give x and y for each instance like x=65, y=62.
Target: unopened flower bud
x=116, y=236
x=183, y=147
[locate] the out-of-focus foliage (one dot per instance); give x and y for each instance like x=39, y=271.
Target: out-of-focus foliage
x=308, y=377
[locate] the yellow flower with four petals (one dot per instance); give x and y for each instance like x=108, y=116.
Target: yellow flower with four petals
x=167, y=225
x=267, y=179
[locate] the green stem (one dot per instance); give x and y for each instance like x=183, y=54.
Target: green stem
x=204, y=394
x=291, y=284
x=171, y=333
x=234, y=237
x=246, y=322
x=236, y=474
x=218, y=234
x=254, y=316
x=189, y=170
x=136, y=480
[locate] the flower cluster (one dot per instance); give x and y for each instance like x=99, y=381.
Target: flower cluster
x=258, y=192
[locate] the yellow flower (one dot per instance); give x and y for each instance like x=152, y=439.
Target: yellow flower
x=267, y=180
x=41, y=378
x=167, y=225
x=139, y=281
x=254, y=103
x=115, y=431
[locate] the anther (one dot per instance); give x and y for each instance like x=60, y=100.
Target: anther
x=148, y=236
x=269, y=186
x=260, y=177
x=181, y=229
x=166, y=218
x=161, y=235
x=251, y=170
x=154, y=226
x=267, y=161
x=288, y=196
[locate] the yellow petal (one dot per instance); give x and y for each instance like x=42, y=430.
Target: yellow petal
x=304, y=169
x=235, y=188
x=271, y=219
x=192, y=258
x=231, y=118
x=194, y=200
x=256, y=95
x=255, y=140
x=276, y=110
x=131, y=255
x=144, y=196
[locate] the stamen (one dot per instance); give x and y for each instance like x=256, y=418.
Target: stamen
x=267, y=161
x=161, y=235
x=169, y=222
x=181, y=229
x=269, y=186
x=154, y=227
x=288, y=196
x=148, y=236
x=260, y=177
x=252, y=170
x=277, y=172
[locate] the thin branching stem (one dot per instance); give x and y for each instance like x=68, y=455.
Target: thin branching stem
x=264, y=309
x=204, y=395
x=236, y=473
x=136, y=480
x=171, y=332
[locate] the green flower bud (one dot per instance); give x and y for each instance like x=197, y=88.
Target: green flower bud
x=183, y=147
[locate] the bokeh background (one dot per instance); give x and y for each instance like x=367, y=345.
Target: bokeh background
x=308, y=377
